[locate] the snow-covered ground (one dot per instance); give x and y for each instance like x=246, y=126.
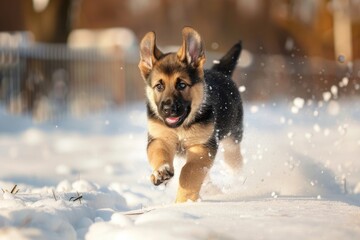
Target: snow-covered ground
x=89, y=178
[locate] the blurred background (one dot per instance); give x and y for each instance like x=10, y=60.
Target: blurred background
x=60, y=57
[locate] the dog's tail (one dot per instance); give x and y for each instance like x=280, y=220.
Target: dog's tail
x=227, y=63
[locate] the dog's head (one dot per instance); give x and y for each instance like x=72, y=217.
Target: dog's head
x=174, y=81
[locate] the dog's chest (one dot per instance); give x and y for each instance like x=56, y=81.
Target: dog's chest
x=194, y=135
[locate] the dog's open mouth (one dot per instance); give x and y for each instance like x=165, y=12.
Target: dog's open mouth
x=172, y=120
x=175, y=121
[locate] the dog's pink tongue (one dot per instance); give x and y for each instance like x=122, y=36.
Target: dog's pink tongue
x=172, y=120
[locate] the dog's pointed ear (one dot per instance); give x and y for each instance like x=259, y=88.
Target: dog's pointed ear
x=149, y=54
x=192, y=49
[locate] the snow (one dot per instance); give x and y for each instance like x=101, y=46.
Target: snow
x=88, y=178
x=242, y=89
x=326, y=96
x=344, y=82
x=254, y=109
x=298, y=103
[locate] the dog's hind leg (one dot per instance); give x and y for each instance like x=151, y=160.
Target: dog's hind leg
x=199, y=161
x=232, y=153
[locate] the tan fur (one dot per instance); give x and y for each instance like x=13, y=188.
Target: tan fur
x=197, y=96
x=163, y=148
x=183, y=55
x=151, y=97
x=195, y=134
x=181, y=137
x=152, y=53
x=199, y=161
x=199, y=158
x=232, y=153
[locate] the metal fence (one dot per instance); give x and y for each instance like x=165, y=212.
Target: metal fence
x=49, y=81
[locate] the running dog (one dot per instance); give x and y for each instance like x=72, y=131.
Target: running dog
x=190, y=111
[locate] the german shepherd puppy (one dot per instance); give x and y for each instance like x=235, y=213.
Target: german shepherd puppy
x=190, y=111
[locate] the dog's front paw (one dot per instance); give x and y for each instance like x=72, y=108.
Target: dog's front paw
x=162, y=174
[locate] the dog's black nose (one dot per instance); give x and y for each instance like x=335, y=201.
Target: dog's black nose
x=166, y=106
x=169, y=107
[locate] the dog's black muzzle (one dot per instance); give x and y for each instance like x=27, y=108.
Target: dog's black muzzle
x=174, y=112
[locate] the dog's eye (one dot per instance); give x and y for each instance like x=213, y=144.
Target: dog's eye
x=181, y=86
x=159, y=87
